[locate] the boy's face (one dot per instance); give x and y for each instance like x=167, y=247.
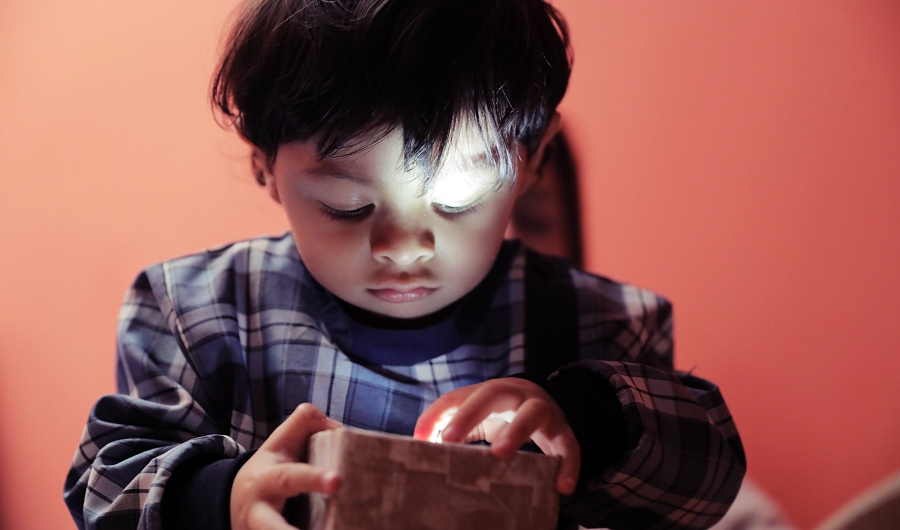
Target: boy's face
x=370, y=234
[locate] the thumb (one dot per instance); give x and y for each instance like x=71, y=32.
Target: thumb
x=291, y=436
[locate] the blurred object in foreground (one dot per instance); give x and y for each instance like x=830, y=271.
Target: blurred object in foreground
x=753, y=509
x=877, y=508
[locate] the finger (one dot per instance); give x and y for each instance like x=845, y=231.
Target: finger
x=476, y=408
x=291, y=436
x=290, y=479
x=433, y=413
x=563, y=444
x=531, y=416
x=263, y=516
x=487, y=430
x=567, y=478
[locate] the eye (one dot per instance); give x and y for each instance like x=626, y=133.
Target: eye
x=346, y=215
x=456, y=211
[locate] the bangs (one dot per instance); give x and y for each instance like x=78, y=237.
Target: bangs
x=348, y=73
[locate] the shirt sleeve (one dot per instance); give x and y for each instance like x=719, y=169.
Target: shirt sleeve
x=681, y=463
x=163, y=417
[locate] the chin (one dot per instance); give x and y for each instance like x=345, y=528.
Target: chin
x=406, y=311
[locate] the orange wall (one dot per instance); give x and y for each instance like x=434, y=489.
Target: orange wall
x=742, y=158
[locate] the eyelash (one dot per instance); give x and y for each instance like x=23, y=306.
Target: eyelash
x=359, y=213
x=457, y=211
x=346, y=215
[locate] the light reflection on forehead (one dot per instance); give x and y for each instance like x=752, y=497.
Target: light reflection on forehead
x=459, y=186
x=480, y=145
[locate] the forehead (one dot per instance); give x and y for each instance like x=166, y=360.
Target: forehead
x=374, y=156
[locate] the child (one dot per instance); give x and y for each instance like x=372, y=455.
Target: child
x=396, y=134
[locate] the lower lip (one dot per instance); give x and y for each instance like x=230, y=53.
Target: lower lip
x=398, y=297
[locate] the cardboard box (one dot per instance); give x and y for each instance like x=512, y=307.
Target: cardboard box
x=399, y=483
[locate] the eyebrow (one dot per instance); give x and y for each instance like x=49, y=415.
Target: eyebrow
x=480, y=159
x=484, y=158
x=325, y=172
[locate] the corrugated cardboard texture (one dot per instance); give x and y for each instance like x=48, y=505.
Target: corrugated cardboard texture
x=399, y=483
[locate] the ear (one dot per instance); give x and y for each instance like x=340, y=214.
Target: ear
x=553, y=126
x=534, y=162
x=262, y=170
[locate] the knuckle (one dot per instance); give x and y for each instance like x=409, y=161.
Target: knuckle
x=539, y=407
x=484, y=389
x=306, y=410
x=282, y=479
x=523, y=385
x=248, y=479
x=259, y=480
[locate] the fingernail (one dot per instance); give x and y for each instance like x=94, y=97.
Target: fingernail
x=316, y=413
x=447, y=433
x=330, y=480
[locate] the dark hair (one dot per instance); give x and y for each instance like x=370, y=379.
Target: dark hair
x=337, y=69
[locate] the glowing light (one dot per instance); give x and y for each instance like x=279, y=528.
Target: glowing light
x=441, y=422
x=461, y=188
x=445, y=417
x=507, y=416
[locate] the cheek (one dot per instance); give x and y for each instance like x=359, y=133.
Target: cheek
x=494, y=225
x=336, y=260
x=326, y=247
x=319, y=244
x=473, y=244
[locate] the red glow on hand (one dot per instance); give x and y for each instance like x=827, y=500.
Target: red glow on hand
x=432, y=422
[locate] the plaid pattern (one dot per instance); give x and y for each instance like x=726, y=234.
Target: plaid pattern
x=215, y=350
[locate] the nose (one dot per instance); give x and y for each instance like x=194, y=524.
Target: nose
x=401, y=241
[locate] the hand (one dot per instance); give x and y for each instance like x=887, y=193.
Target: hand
x=274, y=474
x=482, y=414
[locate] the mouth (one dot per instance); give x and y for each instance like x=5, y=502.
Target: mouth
x=400, y=295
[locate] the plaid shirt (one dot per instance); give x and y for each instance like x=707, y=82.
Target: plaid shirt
x=216, y=349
